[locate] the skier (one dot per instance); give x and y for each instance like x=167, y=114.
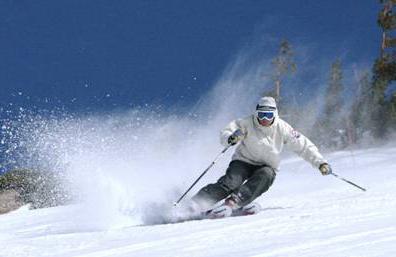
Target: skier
x=261, y=137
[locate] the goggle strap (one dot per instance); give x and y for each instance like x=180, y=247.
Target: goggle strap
x=265, y=108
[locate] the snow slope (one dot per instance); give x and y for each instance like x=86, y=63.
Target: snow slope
x=305, y=215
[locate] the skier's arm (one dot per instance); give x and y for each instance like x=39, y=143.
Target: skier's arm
x=232, y=127
x=302, y=146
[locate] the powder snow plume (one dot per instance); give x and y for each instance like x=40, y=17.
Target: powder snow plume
x=126, y=167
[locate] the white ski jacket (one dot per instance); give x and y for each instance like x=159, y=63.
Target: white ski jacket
x=263, y=145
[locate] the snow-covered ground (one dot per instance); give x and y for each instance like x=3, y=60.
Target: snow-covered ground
x=305, y=214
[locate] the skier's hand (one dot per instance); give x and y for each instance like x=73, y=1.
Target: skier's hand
x=325, y=169
x=235, y=137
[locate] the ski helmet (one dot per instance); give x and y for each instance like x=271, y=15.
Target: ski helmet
x=266, y=111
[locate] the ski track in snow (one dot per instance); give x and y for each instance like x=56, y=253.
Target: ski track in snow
x=305, y=215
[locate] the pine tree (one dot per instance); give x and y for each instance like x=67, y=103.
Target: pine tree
x=331, y=123
x=333, y=98
x=283, y=65
x=379, y=106
x=386, y=19
x=361, y=109
x=384, y=72
x=393, y=111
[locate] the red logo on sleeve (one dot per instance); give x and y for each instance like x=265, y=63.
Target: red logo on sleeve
x=295, y=134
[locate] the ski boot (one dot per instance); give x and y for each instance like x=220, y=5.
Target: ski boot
x=224, y=210
x=249, y=209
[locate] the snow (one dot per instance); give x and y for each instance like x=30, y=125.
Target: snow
x=305, y=214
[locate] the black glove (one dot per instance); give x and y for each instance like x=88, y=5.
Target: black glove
x=235, y=137
x=325, y=169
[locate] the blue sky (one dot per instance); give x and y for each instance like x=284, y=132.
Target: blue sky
x=87, y=55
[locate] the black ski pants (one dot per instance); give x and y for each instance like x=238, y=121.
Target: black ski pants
x=243, y=179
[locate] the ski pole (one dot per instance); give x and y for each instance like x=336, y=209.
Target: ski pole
x=349, y=182
x=203, y=173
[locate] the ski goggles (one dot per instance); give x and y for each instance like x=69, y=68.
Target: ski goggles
x=261, y=115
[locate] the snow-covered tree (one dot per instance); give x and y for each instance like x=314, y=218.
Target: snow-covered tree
x=330, y=128
x=283, y=65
